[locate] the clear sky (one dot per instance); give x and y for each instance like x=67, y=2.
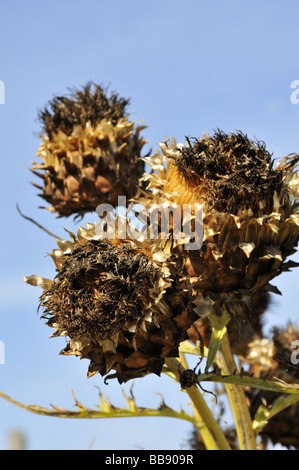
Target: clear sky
x=188, y=66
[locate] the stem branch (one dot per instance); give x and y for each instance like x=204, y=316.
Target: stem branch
x=244, y=428
x=211, y=432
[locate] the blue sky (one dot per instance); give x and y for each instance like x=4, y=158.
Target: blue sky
x=188, y=66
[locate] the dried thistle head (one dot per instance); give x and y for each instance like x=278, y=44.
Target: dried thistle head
x=89, y=105
x=90, y=151
x=230, y=172
x=250, y=217
x=273, y=357
x=108, y=299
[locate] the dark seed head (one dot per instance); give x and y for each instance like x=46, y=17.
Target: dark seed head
x=232, y=172
x=91, y=104
x=99, y=290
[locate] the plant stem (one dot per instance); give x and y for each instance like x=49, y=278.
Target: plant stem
x=211, y=432
x=244, y=428
x=263, y=414
x=253, y=382
x=218, y=324
x=106, y=410
x=203, y=430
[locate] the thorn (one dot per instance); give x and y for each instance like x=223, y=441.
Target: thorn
x=131, y=390
x=216, y=370
x=207, y=391
x=109, y=377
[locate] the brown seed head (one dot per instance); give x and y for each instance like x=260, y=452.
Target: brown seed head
x=250, y=221
x=109, y=299
x=230, y=172
x=91, y=104
x=90, y=152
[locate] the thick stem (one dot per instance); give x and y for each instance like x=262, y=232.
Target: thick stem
x=244, y=428
x=203, y=430
x=211, y=432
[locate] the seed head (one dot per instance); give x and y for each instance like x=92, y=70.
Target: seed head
x=109, y=299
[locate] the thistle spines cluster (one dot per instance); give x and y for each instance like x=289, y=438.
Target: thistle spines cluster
x=128, y=305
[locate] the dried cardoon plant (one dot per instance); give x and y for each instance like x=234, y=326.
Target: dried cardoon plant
x=90, y=151
x=131, y=305
x=110, y=298
x=250, y=222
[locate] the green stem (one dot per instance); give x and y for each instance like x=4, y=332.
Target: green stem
x=244, y=428
x=106, y=410
x=203, y=430
x=263, y=414
x=218, y=324
x=212, y=431
x=247, y=381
